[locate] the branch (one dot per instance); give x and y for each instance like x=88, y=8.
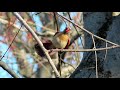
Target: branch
x=105, y=52
x=83, y=50
x=95, y=56
x=39, y=42
x=68, y=64
x=10, y=44
x=7, y=68
x=76, y=30
x=54, y=13
x=86, y=30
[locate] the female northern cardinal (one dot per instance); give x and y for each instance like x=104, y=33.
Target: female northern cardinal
x=61, y=40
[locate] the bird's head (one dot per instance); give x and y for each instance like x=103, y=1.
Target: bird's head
x=67, y=30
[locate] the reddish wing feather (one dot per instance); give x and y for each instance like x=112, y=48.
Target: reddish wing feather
x=68, y=43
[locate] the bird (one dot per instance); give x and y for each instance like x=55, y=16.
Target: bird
x=61, y=40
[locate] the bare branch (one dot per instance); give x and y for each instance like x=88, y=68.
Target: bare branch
x=84, y=50
x=86, y=30
x=7, y=68
x=39, y=42
x=10, y=44
x=95, y=56
x=54, y=13
x=105, y=52
x=68, y=64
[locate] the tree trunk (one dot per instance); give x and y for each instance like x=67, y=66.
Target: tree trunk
x=106, y=26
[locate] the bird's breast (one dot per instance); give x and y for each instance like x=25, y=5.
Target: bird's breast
x=60, y=41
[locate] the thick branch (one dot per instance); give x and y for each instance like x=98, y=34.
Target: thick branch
x=7, y=68
x=38, y=40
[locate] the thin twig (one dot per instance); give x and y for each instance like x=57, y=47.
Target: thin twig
x=88, y=68
x=76, y=29
x=10, y=44
x=105, y=52
x=84, y=50
x=80, y=35
x=60, y=63
x=7, y=68
x=56, y=21
x=82, y=41
x=69, y=16
x=39, y=42
x=86, y=30
x=64, y=21
x=68, y=64
x=95, y=56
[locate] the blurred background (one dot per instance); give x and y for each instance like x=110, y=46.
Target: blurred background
x=22, y=57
